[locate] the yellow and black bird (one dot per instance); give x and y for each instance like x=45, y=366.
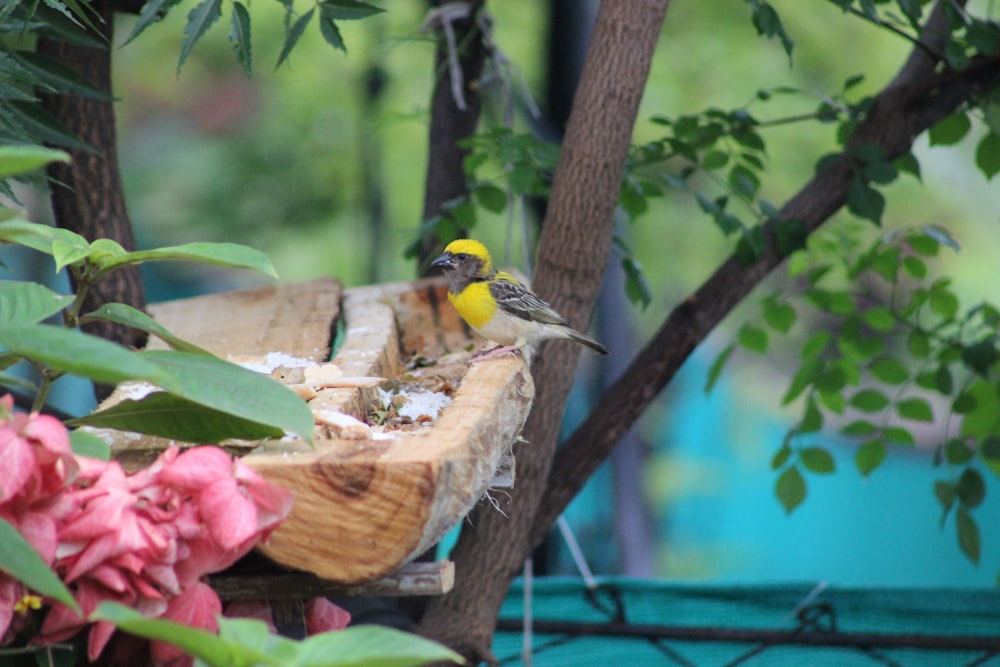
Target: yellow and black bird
x=497, y=306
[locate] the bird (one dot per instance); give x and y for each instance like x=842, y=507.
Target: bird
x=497, y=306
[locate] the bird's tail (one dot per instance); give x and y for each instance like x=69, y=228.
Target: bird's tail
x=583, y=339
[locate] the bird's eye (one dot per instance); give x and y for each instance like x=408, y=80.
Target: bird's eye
x=461, y=256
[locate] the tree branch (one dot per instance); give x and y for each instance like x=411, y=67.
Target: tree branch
x=915, y=99
x=573, y=253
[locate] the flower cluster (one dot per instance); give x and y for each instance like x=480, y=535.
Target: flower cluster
x=145, y=540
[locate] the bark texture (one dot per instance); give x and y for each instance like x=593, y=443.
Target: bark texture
x=87, y=194
x=573, y=253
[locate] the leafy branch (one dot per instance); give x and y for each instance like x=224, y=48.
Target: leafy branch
x=219, y=399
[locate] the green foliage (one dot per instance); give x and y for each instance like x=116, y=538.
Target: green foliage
x=246, y=642
x=896, y=350
x=217, y=399
x=207, y=12
x=768, y=23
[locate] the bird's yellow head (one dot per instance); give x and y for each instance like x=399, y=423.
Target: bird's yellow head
x=465, y=261
x=472, y=248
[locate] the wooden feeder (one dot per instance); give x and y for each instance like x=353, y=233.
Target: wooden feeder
x=366, y=502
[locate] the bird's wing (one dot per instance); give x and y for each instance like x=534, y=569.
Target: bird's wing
x=514, y=298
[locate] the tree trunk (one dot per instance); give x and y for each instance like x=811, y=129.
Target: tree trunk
x=573, y=254
x=87, y=194
x=455, y=109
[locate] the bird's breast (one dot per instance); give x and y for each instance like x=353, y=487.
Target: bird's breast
x=474, y=304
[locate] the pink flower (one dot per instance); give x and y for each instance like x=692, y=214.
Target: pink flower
x=323, y=616
x=35, y=457
x=146, y=540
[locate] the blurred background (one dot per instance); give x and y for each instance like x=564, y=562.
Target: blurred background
x=321, y=163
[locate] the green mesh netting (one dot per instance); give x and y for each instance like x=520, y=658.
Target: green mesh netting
x=753, y=626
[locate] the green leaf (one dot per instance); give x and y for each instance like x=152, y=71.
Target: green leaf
x=239, y=37
x=869, y=457
x=802, y=379
x=29, y=303
x=971, y=488
x=919, y=344
x=949, y=130
x=373, y=646
x=859, y=428
x=168, y=416
x=898, y=435
x=196, y=642
x=968, y=534
x=20, y=560
x=637, y=288
x=346, y=10
x=945, y=494
x=229, y=388
x=753, y=338
x=831, y=378
x=981, y=356
x=715, y=160
x=39, y=237
x=121, y=313
x=490, y=197
x=53, y=74
x=869, y=400
x=779, y=315
x=42, y=126
x=989, y=449
x=89, y=445
x=812, y=419
x=865, y=201
x=908, y=164
x=818, y=460
x=199, y=20
x=915, y=267
x=957, y=453
x=833, y=401
x=815, y=345
x=152, y=12
x=880, y=171
x=917, y=409
x=981, y=406
x=716, y=369
x=331, y=33
x=943, y=303
x=743, y=181
x=15, y=160
x=768, y=23
x=293, y=34
x=790, y=489
x=781, y=457
x=890, y=371
x=880, y=319
x=231, y=255
x=75, y=352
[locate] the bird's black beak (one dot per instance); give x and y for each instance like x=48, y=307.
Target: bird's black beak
x=445, y=262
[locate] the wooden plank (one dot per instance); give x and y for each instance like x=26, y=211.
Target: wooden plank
x=412, y=579
x=364, y=507
x=294, y=318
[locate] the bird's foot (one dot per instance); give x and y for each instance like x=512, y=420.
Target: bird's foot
x=496, y=352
